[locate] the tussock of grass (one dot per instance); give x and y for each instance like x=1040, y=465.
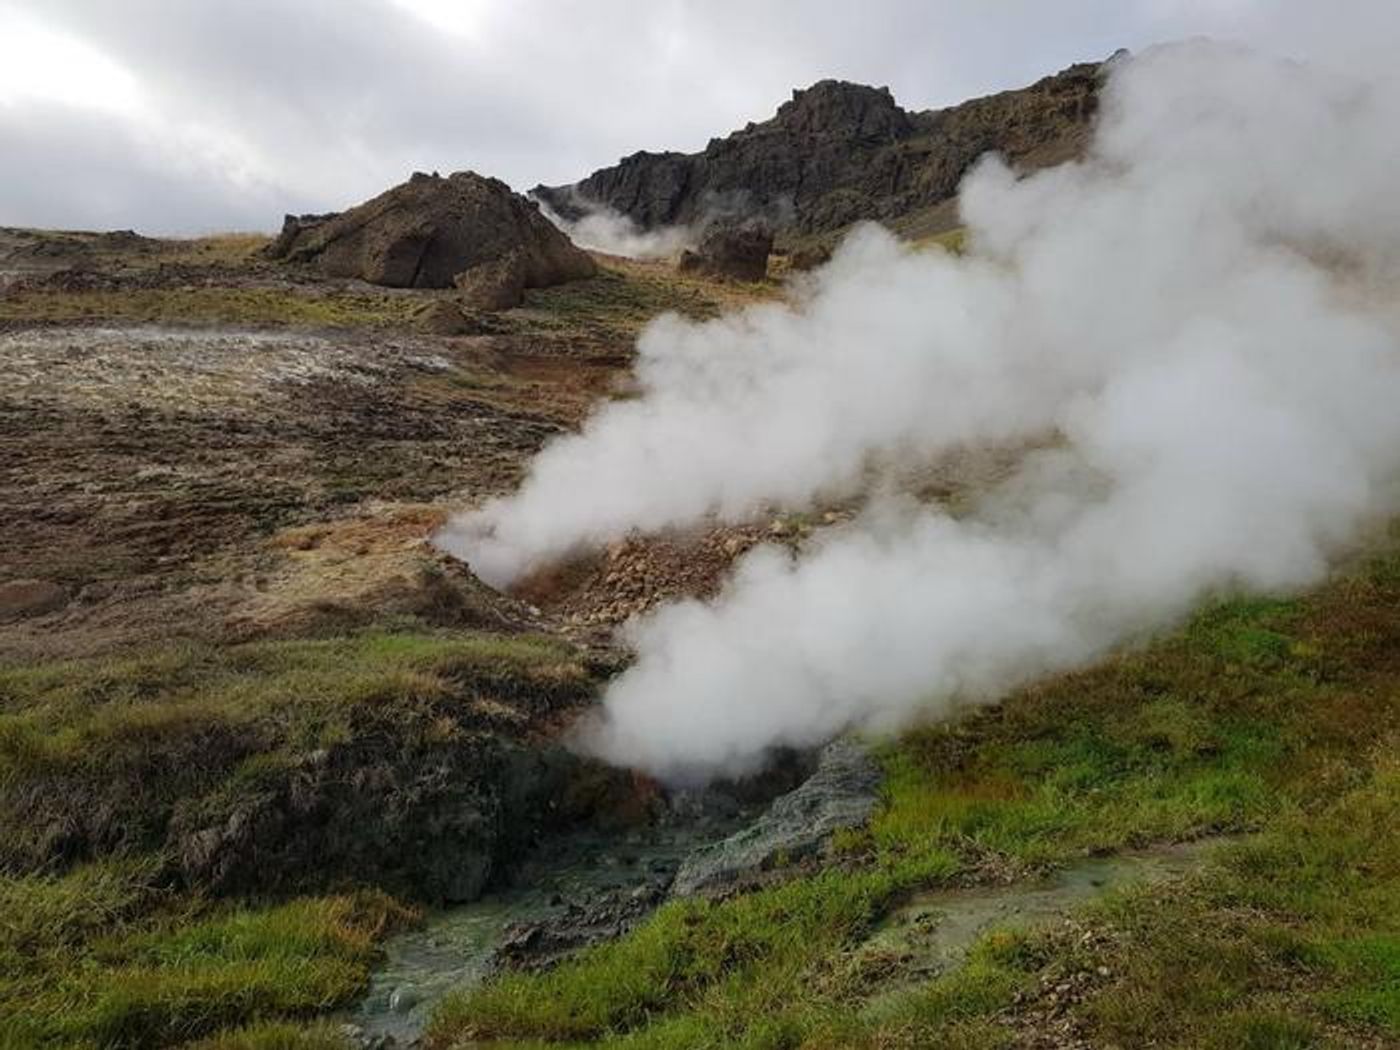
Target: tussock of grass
x=137, y=734
x=1292, y=932
x=277, y=1035
x=1271, y=717
x=622, y=298
x=101, y=958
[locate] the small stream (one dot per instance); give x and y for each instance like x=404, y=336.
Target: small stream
x=582, y=888
x=592, y=886
x=934, y=930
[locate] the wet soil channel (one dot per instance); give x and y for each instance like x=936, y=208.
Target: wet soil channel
x=587, y=888
x=933, y=931
x=593, y=886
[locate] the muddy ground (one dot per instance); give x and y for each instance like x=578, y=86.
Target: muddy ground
x=223, y=479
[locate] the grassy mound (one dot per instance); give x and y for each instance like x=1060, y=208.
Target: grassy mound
x=110, y=768
x=104, y=957
x=242, y=763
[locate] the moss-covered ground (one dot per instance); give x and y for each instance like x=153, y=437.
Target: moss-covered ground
x=1275, y=723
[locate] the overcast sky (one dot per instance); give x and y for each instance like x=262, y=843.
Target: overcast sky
x=189, y=116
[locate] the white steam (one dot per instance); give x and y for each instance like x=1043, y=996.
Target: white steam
x=601, y=229
x=1196, y=325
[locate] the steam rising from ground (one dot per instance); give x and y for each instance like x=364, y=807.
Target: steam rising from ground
x=1195, y=327
x=601, y=229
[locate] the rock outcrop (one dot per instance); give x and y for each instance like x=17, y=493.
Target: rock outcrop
x=839, y=152
x=434, y=232
x=843, y=793
x=434, y=820
x=739, y=252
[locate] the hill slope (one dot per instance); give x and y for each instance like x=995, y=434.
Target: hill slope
x=839, y=152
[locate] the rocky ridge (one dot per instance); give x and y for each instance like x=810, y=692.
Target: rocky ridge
x=838, y=152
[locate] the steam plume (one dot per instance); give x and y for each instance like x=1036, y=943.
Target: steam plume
x=1197, y=327
x=601, y=229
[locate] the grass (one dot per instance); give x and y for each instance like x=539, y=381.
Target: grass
x=110, y=946
x=103, y=956
x=611, y=307
x=1294, y=935
x=1278, y=720
x=106, y=748
x=228, y=248
x=1274, y=720
x=624, y=296
x=214, y=305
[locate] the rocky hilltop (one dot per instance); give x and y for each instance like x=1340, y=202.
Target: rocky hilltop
x=839, y=152
x=432, y=232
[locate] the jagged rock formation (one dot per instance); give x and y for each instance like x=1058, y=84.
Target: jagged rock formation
x=740, y=252
x=840, y=152
x=432, y=232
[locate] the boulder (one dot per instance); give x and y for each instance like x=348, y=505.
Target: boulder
x=20, y=599
x=432, y=232
x=809, y=256
x=739, y=252
x=293, y=228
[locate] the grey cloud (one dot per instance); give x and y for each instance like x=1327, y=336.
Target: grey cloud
x=329, y=101
x=86, y=170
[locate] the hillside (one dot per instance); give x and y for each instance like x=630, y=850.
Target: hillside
x=278, y=772
x=253, y=703
x=839, y=152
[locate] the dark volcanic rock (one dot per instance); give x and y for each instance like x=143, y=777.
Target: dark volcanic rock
x=293, y=228
x=840, y=152
x=842, y=793
x=740, y=252
x=432, y=231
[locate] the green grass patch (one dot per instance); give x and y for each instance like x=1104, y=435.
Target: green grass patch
x=104, y=749
x=620, y=300
x=1258, y=717
x=732, y=961
x=1289, y=934
x=104, y=957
